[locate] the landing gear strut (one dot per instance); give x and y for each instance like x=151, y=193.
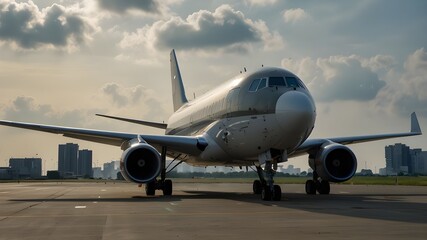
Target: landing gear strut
x=317, y=184
x=163, y=184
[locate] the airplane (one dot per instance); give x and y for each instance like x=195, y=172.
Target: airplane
x=256, y=119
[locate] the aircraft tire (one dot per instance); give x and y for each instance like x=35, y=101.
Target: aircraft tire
x=310, y=187
x=266, y=193
x=277, y=194
x=324, y=187
x=257, y=187
x=167, y=187
x=150, y=188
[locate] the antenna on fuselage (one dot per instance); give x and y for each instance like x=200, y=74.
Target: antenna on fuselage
x=244, y=68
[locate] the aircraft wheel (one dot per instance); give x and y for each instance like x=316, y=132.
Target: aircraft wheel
x=310, y=187
x=150, y=188
x=324, y=187
x=277, y=194
x=257, y=187
x=167, y=187
x=266, y=193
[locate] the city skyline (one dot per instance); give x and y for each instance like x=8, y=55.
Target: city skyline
x=362, y=165
x=401, y=154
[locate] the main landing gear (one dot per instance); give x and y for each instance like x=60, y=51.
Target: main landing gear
x=265, y=185
x=163, y=184
x=317, y=184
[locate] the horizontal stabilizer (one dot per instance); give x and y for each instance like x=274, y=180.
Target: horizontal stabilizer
x=140, y=122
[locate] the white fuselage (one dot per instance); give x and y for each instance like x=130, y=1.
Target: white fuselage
x=239, y=123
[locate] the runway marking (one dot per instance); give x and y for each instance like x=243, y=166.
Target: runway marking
x=80, y=207
x=4, y=192
x=158, y=214
x=173, y=204
x=103, y=190
x=94, y=202
x=169, y=210
x=345, y=192
x=99, y=196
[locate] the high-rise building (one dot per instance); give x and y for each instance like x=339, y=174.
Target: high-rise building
x=97, y=172
x=84, y=163
x=401, y=159
x=26, y=167
x=398, y=158
x=67, y=159
x=111, y=169
x=7, y=173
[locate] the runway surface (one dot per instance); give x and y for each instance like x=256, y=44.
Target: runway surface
x=209, y=211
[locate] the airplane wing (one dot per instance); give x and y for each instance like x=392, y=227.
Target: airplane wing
x=312, y=144
x=182, y=144
x=136, y=121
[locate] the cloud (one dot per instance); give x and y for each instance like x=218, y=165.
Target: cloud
x=121, y=7
x=224, y=29
x=26, y=109
x=260, y=2
x=407, y=92
x=122, y=96
x=135, y=97
x=337, y=77
x=389, y=87
x=295, y=15
x=24, y=25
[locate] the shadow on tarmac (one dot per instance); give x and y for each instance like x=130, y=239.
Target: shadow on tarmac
x=391, y=207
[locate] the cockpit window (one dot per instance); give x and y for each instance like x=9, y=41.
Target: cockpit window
x=276, y=81
x=262, y=84
x=301, y=84
x=292, y=82
x=254, y=85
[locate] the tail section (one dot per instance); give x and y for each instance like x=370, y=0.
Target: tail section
x=178, y=92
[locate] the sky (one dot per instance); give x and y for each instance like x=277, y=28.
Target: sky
x=61, y=62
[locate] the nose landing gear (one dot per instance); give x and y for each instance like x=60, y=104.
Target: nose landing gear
x=265, y=185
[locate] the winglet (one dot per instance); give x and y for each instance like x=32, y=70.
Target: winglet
x=415, y=126
x=178, y=92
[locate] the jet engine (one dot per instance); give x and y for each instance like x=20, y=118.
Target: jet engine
x=334, y=162
x=140, y=163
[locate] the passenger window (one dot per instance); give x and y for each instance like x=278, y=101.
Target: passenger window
x=276, y=81
x=262, y=84
x=254, y=85
x=292, y=82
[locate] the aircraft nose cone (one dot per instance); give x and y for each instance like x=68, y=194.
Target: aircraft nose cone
x=295, y=111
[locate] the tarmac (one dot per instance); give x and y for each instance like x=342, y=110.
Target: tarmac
x=90, y=210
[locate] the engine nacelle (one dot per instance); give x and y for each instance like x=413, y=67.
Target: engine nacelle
x=334, y=162
x=140, y=163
